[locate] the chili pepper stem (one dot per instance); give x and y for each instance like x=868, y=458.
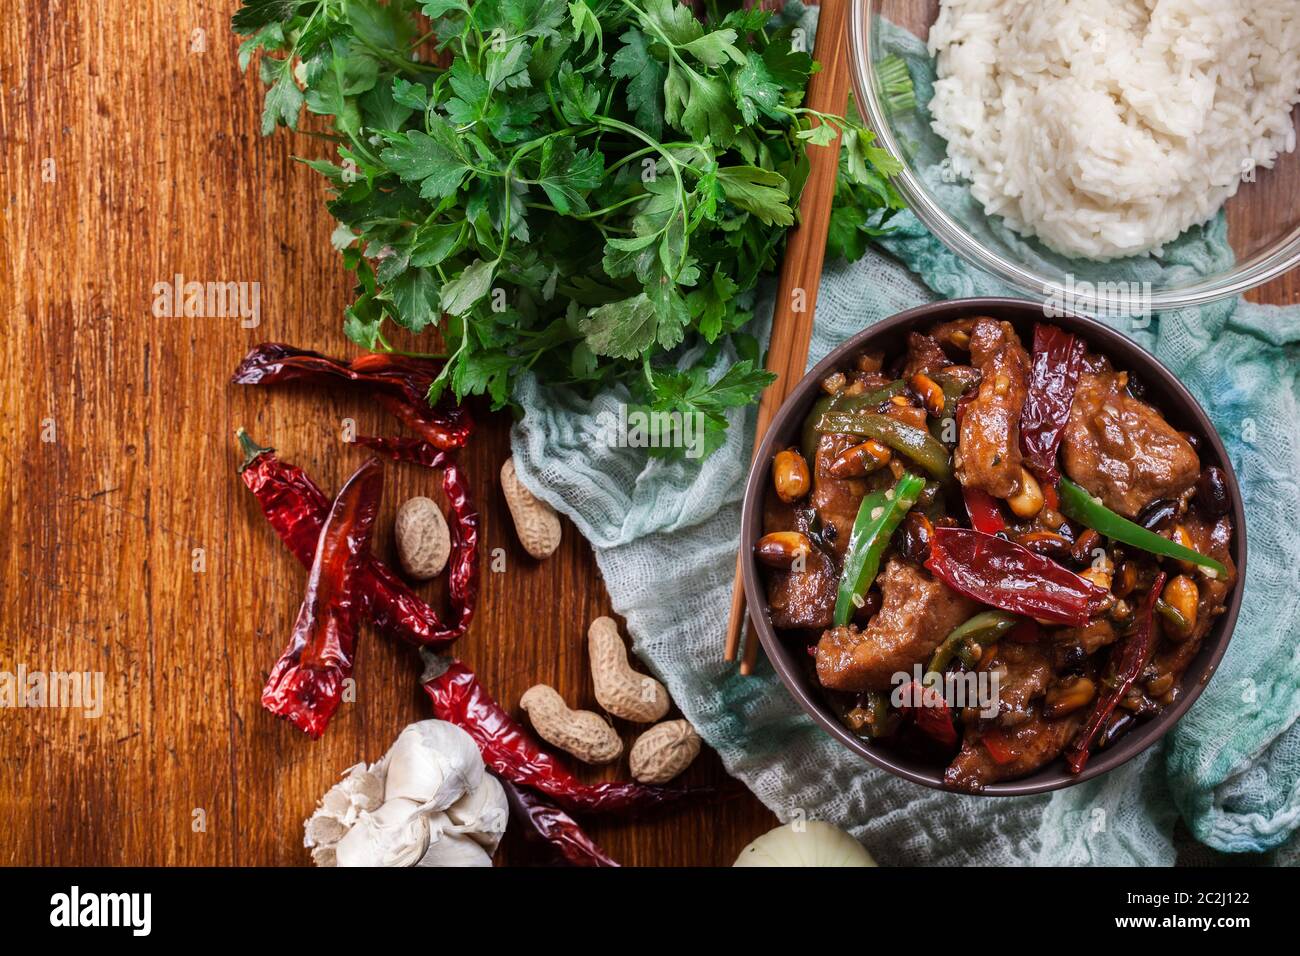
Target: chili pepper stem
x=435, y=665
x=250, y=448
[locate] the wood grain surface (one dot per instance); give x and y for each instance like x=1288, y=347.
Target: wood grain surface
x=131, y=155
x=158, y=169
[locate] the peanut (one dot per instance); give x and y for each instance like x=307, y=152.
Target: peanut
x=790, y=475
x=783, y=549
x=619, y=689
x=1182, y=594
x=1098, y=577
x=860, y=460
x=1028, y=501
x=1068, y=696
x=664, y=751
x=423, y=541
x=1181, y=536
x=579, y=732
x=536, y=522
x=929, y=392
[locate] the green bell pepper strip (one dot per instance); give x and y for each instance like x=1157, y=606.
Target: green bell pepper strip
x=983, y=629
x=878, y=723
x=867, y=400
x=1172, y=615
x=917, y=444
x=842, y=403
x=1080, y=506
x=878, y=517
x=808, y=436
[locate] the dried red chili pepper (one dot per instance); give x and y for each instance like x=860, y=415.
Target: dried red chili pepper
x=985, y=515
x=417, y=451
x=400, y=383
x=549, y=824
x=512, y=754
x=1008, y=576
x=306, y=683
x=296, y=509
x=462, y=576
x=1053, y=375
x=432, y=430
x=1133, y=656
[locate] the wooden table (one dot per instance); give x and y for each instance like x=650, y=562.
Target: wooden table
x=132, y=155
x=147, y=134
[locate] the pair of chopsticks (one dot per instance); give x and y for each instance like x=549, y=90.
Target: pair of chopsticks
x=801, y=271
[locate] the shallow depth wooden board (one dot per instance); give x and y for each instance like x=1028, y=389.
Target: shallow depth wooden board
x=158, y=169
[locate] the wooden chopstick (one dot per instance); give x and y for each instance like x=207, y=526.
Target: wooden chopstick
x=801, y=270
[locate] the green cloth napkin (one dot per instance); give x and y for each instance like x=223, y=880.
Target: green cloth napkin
x=665, y=537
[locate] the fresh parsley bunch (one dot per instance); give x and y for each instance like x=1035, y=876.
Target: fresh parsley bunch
x=579, y=188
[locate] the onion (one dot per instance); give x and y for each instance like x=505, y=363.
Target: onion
x=805, y=843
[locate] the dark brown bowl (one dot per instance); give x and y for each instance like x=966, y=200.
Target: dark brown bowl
x=1163, y=390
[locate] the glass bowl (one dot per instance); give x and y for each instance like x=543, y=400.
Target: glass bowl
x=1262, y=221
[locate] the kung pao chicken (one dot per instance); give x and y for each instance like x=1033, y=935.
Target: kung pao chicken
x=972, y=510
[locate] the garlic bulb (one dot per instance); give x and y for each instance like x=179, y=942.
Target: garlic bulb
x=482, y=813
x=432, y=762
x=391, y=813
x=448, y=847
x=397, y=834
x=806, y=843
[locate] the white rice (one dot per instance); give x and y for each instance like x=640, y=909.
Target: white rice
x=1108, y=127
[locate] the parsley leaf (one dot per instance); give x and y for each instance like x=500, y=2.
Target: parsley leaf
x=574, y=187
x=429, y=160
x=760, y=191
x=464, y=291
x=645, y=75
x=626, y=328
x=564, y=173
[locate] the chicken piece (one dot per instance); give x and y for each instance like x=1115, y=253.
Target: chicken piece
x=988, y=448
x=1024, y=671
x=803, y=600
x=1121, y=449
x=916, y=614
x=1022, y=749
x=924, y=354
x=798, y=599
x=835, y=500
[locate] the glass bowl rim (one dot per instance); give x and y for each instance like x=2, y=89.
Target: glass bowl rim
x=1262, y=268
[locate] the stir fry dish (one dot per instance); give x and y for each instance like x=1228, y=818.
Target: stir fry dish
x=995, y=555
